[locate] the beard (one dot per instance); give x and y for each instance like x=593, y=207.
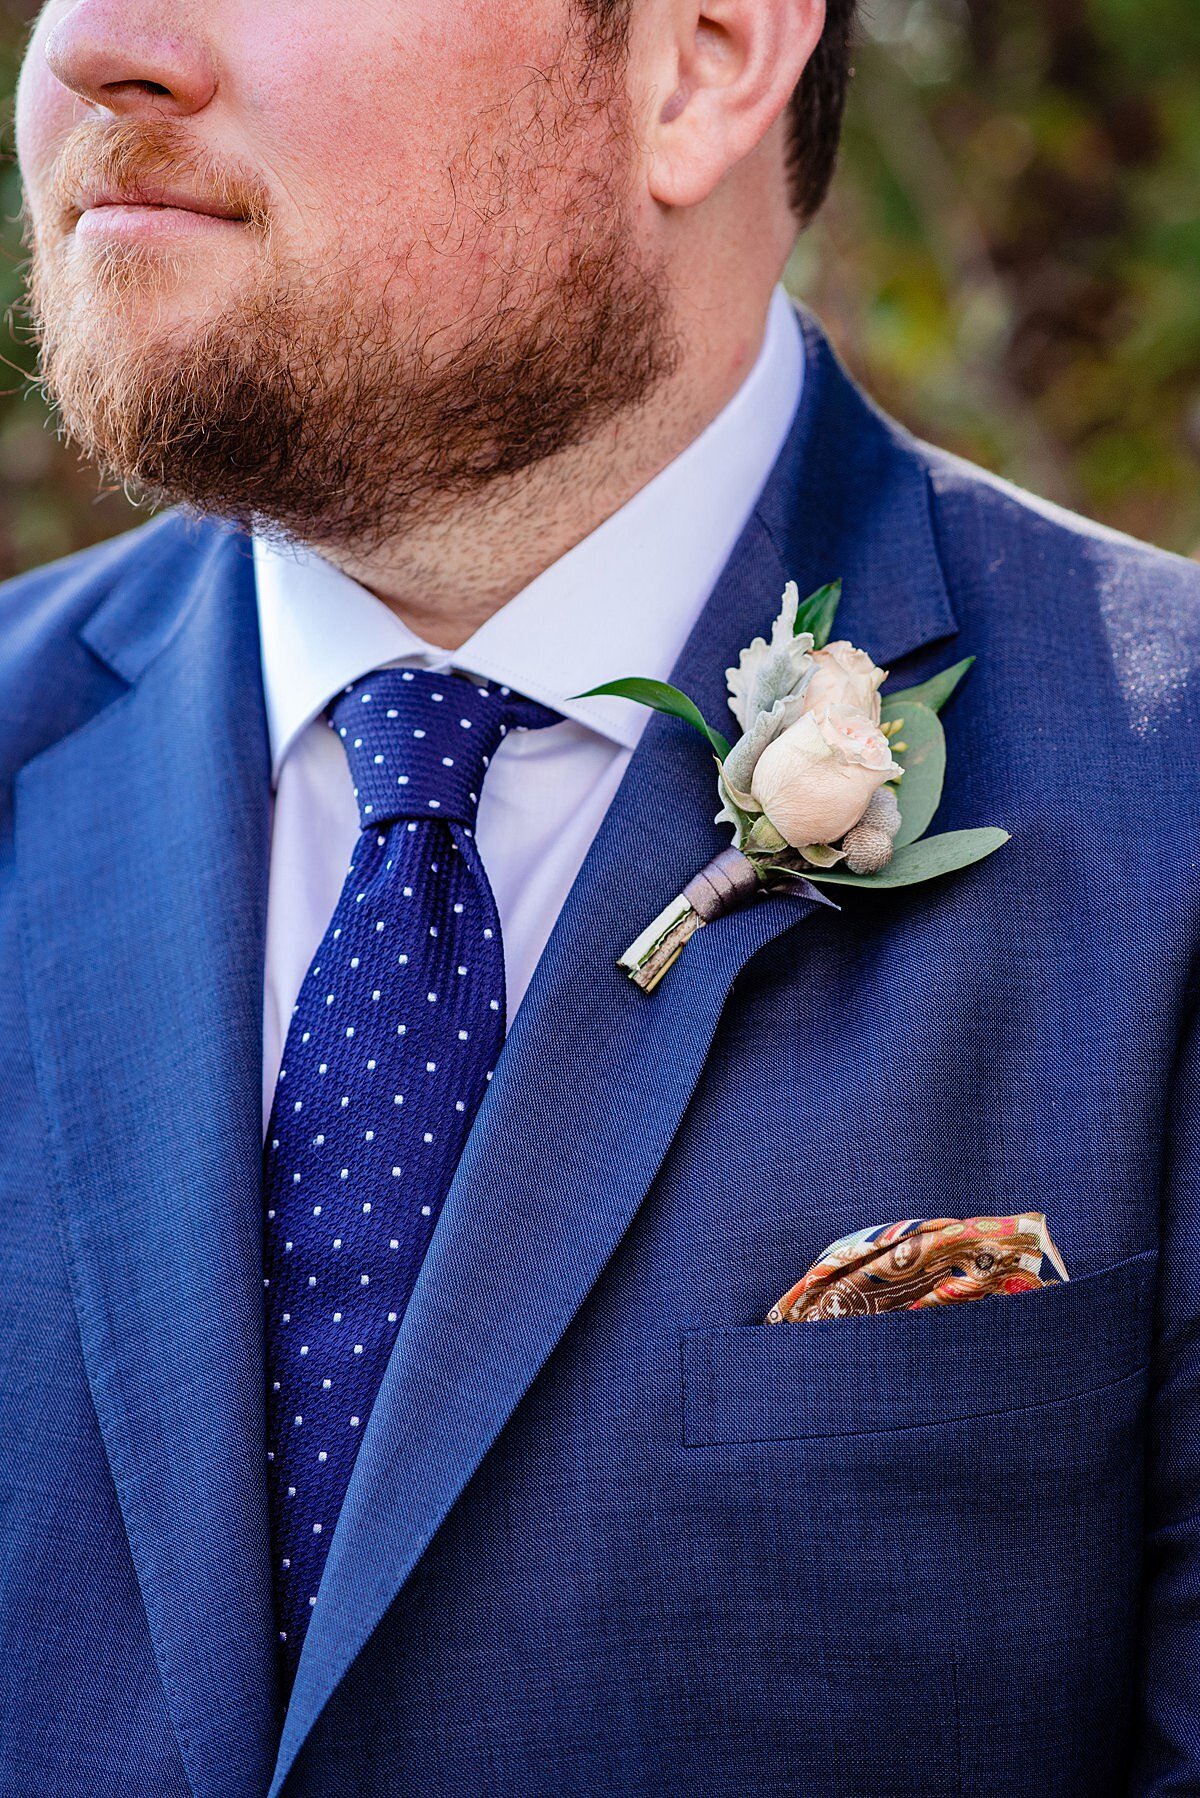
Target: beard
x=315, y=406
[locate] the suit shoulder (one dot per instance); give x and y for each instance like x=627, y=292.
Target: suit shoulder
x=1013, y=524
x=49, y=679
x=1046, y=575
x=45, y=607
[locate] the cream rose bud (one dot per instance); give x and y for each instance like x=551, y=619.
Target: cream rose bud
x=844, y=676
x=816, y=779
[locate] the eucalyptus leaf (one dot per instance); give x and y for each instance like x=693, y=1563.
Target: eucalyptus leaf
x=662, y=698
x=925, y=860
x=924, y=762
x=816, y=613
x=935, y=691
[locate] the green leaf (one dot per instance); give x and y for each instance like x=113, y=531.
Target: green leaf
x=662, y=698
x=933, y=692
x=924, y=762
x=925, y=860
x=817, y=613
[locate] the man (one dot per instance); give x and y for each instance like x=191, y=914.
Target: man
x=419, y=1431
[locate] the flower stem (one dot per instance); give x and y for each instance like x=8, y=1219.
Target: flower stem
x=647, y=959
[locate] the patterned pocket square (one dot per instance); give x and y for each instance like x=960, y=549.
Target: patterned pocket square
x=921, y=1262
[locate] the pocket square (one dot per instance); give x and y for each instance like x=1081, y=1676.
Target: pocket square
x=920, y=1262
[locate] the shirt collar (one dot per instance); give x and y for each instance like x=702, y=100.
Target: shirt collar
x=621, y=601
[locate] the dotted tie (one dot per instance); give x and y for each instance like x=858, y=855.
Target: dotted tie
x=393, y=1039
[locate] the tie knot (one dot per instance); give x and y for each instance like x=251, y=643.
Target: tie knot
x=419, y=743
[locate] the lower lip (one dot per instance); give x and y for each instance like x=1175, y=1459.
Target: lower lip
x=148, y=222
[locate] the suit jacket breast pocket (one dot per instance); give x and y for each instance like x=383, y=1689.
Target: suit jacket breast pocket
x=789, y=1382
x=919, y=1525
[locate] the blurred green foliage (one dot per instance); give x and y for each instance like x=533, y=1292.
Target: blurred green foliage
x=1011, y=257
x=1010, y=261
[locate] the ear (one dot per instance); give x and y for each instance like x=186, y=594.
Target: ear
x=718, y=74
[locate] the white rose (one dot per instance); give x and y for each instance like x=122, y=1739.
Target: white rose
x=816, y=779
x=844, y=675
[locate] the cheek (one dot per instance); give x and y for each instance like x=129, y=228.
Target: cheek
x=45, y=112
x=361, y=110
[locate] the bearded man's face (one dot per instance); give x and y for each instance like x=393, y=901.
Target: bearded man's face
x=334, y=267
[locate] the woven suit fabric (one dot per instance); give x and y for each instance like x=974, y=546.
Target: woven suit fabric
x=392, y=1041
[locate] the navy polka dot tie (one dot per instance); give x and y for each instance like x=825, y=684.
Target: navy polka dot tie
x=392, y=1041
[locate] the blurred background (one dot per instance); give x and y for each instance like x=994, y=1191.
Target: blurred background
x=1010, y=261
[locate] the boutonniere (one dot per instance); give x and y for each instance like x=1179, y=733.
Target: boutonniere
x=827, y=782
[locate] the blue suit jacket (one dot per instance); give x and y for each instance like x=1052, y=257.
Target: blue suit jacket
x=608, y=1532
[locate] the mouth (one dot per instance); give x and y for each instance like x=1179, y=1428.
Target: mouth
x=149, y=212
x=157, y=199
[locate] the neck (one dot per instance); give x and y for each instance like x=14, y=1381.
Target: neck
x=447, y=575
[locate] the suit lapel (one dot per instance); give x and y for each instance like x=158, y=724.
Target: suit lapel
x=142, y=857
x=595, y=1076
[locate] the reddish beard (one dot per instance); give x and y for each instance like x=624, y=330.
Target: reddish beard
x=303, y=402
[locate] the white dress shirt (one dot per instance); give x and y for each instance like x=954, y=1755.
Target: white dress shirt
x=622, y=601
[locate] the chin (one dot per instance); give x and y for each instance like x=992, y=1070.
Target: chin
x=113, y=288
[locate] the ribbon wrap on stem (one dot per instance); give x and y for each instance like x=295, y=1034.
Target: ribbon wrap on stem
x=728, y=881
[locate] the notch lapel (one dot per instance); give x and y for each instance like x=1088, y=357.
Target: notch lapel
x=142, y=860
x=596, y=1076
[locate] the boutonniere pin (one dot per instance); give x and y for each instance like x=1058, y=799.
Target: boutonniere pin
x=827, y=782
